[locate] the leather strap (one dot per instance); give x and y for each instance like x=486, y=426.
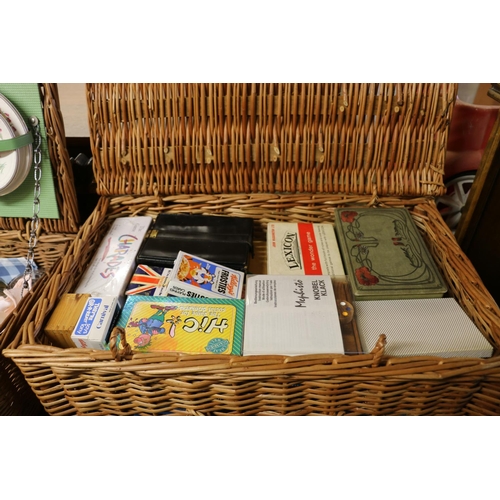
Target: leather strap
x=16, y=142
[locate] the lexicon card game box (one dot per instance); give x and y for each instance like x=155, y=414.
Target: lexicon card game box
x=303, y=248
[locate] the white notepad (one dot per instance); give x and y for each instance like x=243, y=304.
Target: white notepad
x=420, y=327
x=291, y=315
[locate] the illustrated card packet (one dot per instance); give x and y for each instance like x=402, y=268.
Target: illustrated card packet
x=196, y=274
x=196, y=326
x=181, y=289
x=148, y=280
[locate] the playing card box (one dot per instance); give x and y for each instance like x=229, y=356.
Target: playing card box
x=303, y=248
x=196, y=326
x=201, y=275
x=148, y=280
x=96, y=320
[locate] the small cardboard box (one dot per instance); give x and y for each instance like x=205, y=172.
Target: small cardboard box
x=303, y=248
x=291, y=315
x=189, y=325
x=201, y=275
x=63, y=320
x=148, y=280
x=95, y=322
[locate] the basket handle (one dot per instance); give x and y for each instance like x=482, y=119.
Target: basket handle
x=378, y=350
x=114, y=340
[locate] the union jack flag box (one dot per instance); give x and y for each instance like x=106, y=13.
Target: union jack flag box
x=148, y=280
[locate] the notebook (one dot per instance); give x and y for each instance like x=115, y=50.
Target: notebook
x=291, y=315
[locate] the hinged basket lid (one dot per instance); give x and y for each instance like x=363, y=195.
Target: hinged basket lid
x=55, y=153
x=167, y=139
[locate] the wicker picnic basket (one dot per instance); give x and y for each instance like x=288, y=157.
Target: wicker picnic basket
x=53, y=239
x=284, y=152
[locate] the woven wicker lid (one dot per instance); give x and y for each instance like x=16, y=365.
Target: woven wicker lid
x=166, y=139
x=62, y=171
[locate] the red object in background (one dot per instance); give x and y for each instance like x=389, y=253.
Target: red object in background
x=470, y=129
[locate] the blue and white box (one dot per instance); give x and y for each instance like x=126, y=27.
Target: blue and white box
x=94, y=325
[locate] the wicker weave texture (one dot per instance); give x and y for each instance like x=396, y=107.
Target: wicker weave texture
x=50, y=246
x=85, y=382
x=167, y=139
x=16, y=396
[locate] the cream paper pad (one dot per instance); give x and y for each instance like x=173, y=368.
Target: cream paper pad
x=420, y=327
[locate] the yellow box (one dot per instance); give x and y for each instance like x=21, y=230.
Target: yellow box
x=64, y=318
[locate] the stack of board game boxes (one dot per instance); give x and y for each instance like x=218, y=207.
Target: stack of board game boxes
x=146, y=278
x=181, y=284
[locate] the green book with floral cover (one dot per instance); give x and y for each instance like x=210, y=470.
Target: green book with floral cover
x=384, y=255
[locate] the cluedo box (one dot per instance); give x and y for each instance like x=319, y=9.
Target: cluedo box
x=196, y=326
